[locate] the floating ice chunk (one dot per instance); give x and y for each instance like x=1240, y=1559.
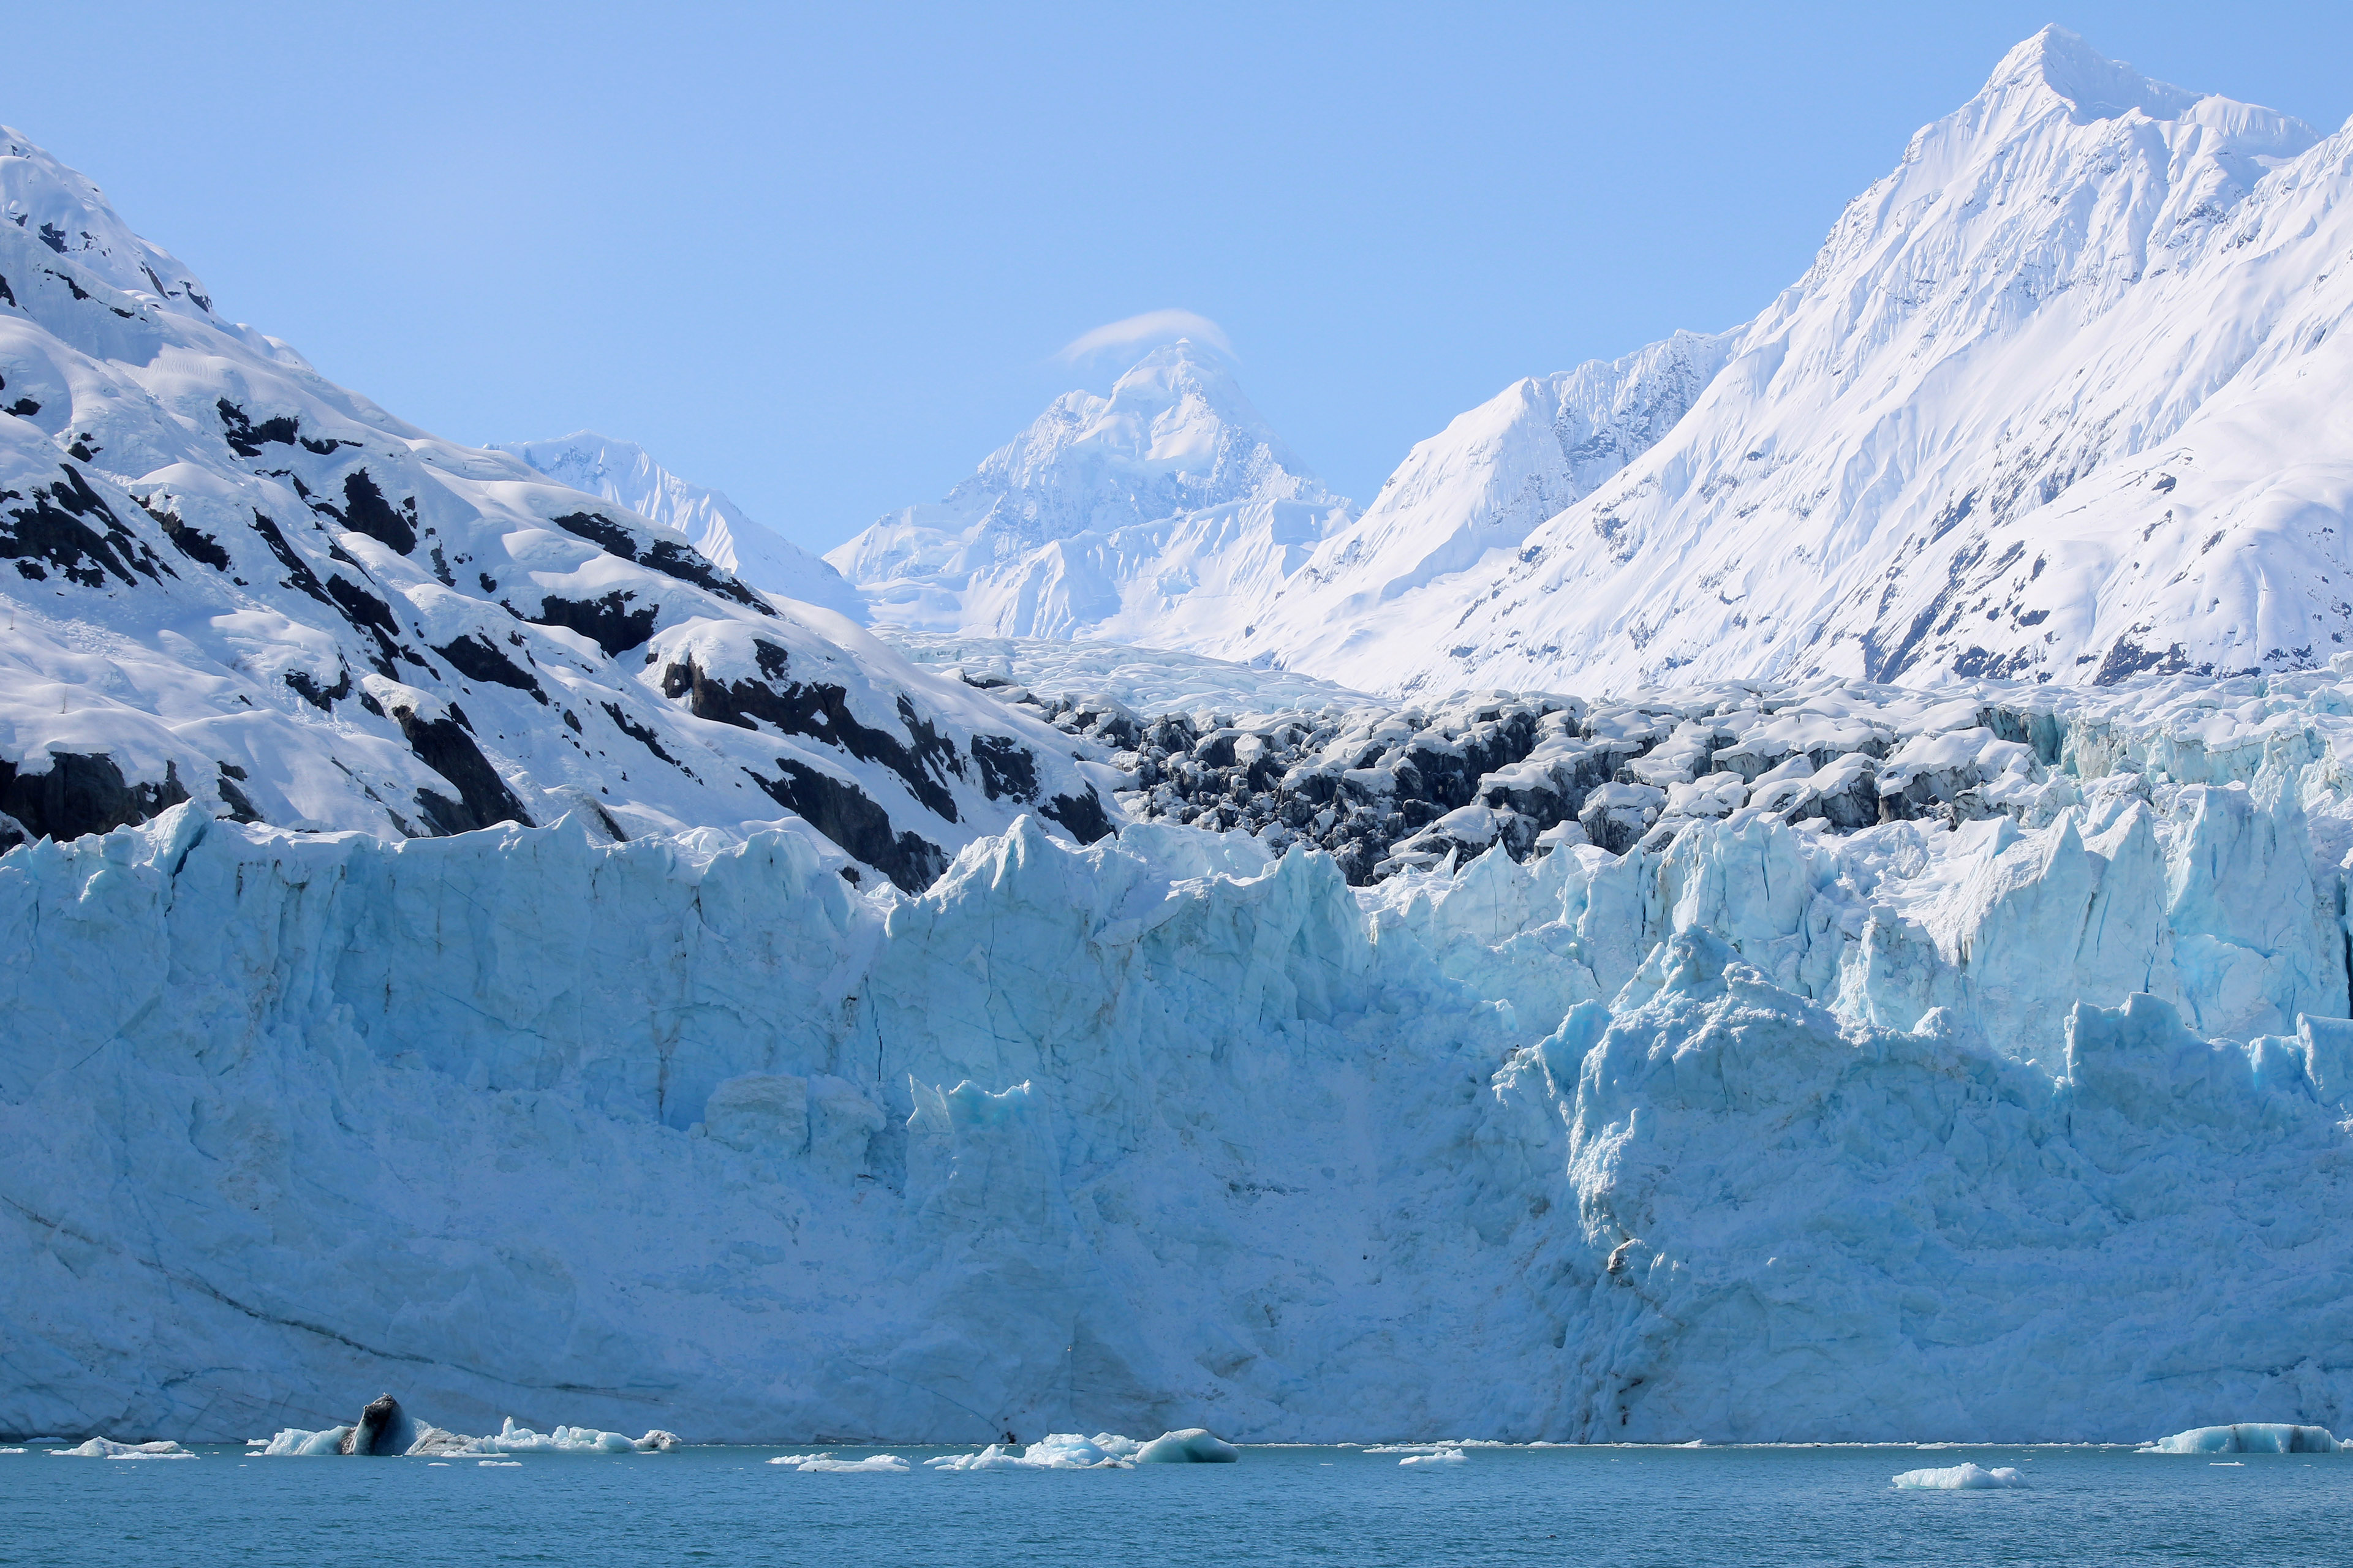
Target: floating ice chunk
x=2250, y=1437
x=1437, y=1457
x=1193, y=1445
x=293, y=1440
x=1411, y=1448
x=796, y=1460
x=517, y=1439
x=1959, y=1478
x=11, y=1450
x=107, y=1448
x=499, y=1464
x=1056, y=1451
x=873, y=1465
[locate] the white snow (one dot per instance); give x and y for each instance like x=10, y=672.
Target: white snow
x=623, y=472
x=1960, y=1478
x=1169, y=505
x=2056, y=400
x=230, y=580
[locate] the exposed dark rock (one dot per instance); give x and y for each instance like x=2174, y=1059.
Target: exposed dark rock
x=477, y=659
x=444, y=745
x=642, y=734
x=822, y=712
x=68, y=527
x=841, y=811
x=298, y=574
x=246, y=439
x=82, y=792
x=608, y=622
x=192, y=543
x=664, y=555
x=322, y=697
x=364, y=511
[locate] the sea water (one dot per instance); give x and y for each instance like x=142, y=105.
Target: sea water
x=1681, y=1507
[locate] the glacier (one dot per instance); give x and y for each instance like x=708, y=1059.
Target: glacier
x=1967, y=1130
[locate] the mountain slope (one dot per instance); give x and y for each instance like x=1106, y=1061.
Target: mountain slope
x=1168, y=511
x=231, y=581
x=623, y=472
x=2060, y=398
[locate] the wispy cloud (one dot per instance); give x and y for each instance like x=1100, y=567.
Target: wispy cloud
x=1150, y=327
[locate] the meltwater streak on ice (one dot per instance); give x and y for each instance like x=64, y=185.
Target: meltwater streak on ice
x=1612, y=1508
x=1969, y=1134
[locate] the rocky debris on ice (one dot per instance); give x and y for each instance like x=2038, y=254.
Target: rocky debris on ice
x=1386, y=789
x=2250, y=1437
x=1959, y=1478
x=230, y=582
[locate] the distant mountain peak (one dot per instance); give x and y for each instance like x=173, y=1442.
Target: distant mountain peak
x=626, y=473
x=2095, y=86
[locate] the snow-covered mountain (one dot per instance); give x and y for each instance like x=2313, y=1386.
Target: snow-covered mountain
x=1167, y=513
x=2062, y=397
x=622, y=472
x=237, y=582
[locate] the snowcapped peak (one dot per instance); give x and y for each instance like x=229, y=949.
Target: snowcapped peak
x=2095, y=86
x=625, y=473
x=1175, y=436
x=61, y=209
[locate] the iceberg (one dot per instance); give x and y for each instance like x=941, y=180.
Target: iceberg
x=1959, y=1477
x=2250, y=1437
x=1437, y=1457
x=1056, y=1451
x=107, y=1448
x=873, y=1465
x=1193, y=1445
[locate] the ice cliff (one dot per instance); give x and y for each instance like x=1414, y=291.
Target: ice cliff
x=2029, y=1127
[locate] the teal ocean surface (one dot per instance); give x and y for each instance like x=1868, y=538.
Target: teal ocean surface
x=1279, y=1505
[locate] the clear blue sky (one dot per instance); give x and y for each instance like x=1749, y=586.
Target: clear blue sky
x=822, y=258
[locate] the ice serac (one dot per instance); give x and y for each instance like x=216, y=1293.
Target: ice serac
x=228, y=581
x=624, y=473
x=2055, y=401
x=1167, y=514
x=1972, y=1124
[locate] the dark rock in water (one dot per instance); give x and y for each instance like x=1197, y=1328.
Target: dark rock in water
x=384, y=1429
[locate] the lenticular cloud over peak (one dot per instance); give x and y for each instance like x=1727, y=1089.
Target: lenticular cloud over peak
x=1151, y=327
